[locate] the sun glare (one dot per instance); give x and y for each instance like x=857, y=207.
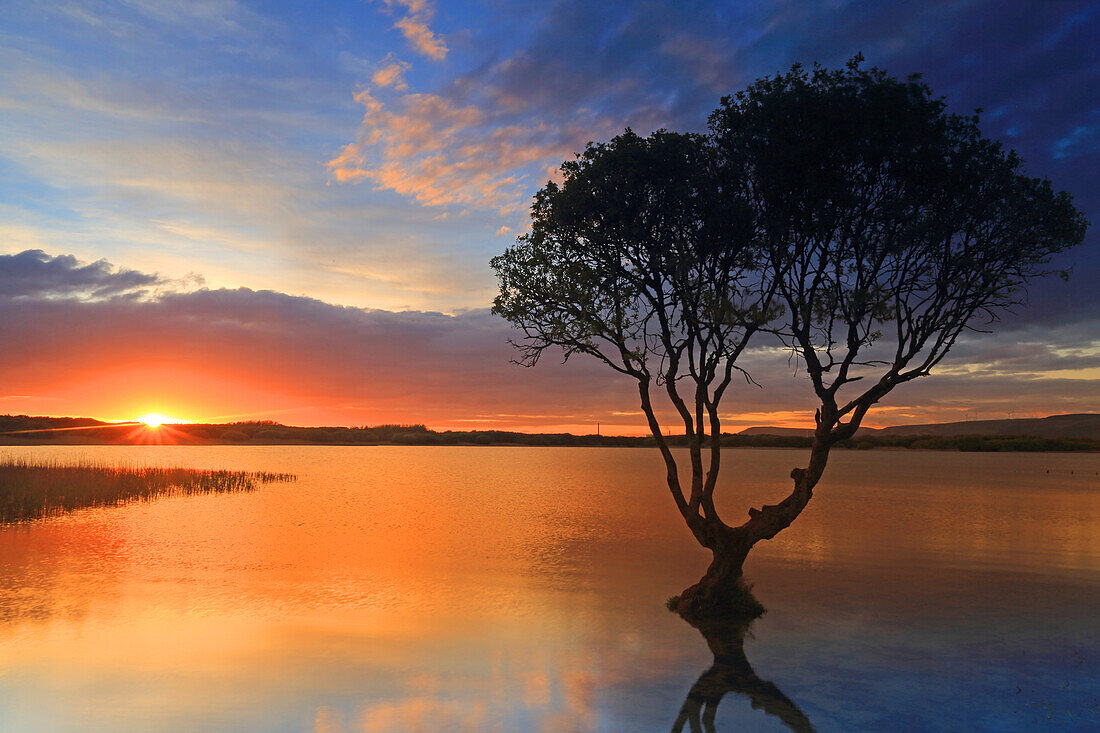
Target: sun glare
x=155, y=420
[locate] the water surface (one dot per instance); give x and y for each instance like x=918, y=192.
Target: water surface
x=495, y=588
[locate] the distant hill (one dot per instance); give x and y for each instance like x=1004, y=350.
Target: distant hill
x=786, y=432
x=13, y=423
x=1081, y=425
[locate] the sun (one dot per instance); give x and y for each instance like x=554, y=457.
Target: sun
x=155, y=420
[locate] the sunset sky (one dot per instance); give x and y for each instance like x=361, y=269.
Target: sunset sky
x=222, y=210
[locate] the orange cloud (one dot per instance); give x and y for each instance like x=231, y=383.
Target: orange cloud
x=422, y=39
x=415, y=7
x=415, y=28
x=392, y=75
x=439, y=152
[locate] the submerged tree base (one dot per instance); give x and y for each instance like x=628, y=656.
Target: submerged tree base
x=736, y=604
x=34, y=491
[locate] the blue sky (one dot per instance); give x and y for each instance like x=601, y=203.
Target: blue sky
x=377, y=154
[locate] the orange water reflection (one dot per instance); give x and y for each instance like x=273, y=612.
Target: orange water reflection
x=450, y=588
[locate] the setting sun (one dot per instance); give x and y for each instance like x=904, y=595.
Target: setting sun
x=155, y=419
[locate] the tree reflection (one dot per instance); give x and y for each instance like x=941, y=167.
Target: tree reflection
x=731, y=672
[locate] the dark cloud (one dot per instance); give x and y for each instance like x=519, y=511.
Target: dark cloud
x=642, y=64
x=35, y=274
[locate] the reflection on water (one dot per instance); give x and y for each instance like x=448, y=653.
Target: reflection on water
x=732, y=673
x=450, y=588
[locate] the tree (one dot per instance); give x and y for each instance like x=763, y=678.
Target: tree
x=844, y=212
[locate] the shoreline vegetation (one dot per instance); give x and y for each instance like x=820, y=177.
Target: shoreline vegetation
x=26, y=430
x=39, y=490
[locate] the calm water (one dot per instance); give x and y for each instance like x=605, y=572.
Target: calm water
x=481, y=589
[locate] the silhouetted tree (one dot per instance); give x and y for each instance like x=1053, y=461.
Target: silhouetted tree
x=882, y=225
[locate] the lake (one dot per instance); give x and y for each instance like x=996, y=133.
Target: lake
x=510, y=589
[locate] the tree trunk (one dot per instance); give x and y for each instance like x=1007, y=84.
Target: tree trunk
x=721, y=592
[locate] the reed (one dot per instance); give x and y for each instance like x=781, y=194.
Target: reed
x=35, y=490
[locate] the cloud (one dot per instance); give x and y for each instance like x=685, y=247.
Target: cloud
x=489, y=138
x=414, y=7
x=214, y=18
x=392, y=74
x=415, y=28
x=703, y=59
x=440, y=152
x=1082, y=139
x=422, y=39
x=33, y=274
